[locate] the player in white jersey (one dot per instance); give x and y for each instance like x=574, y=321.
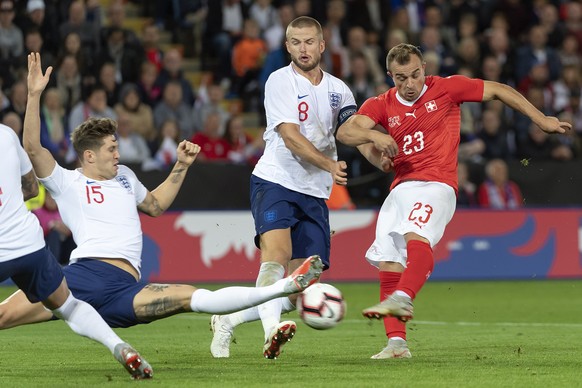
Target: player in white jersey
x=304, y=107
x=26, y=260
x=99, y=202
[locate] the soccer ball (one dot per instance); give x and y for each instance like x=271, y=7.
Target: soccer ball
x=321, y=306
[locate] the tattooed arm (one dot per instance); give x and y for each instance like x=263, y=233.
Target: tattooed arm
x=157, y=201
x=29, y=185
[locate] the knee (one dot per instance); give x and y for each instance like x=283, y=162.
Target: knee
x=4, y=317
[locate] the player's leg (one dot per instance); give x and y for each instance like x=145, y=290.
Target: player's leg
x=42, y=279
x=156, y=301
x=16, y=310
x=85, y=321
x=388, y=253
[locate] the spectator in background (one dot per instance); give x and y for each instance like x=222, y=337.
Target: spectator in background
x=494, y=135
x=468, y=54
x=13, y=120
x=224, y=25
x=360, y=79
x=11, y=40
x=172, y=70
x=263, y=12
x=169, y=139
x=34, y=43
x=466, y=189
x=78, y=22
x=133, y=148
x=108, y=80
x=68, y=82
x=550, y=21
x=116, y=17
x=498, y=45
x=17, y=99
x=172, y=106
x=151, y=93
x=54, y=133
x=94, y=105
x=569, y=51
x=138, y=113
x=57, y=235
x=243, y=149
x=85, y=59
x=248, y=55
x=45, y=20
x=126, y=57
x=213, y=147
x=210, y=99
x=430, y=40
x=357, y=45
x=536, y=146
x=275, y=35
x=561, y=90
x=535, y=53
x=497, y=191
x=150, y=39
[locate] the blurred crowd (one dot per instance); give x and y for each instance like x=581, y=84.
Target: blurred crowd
x=103, y=68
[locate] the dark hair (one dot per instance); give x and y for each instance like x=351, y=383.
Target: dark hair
x=89, y=135
x=401, y=54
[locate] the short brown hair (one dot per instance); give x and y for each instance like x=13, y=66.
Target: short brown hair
x=303, y=22
x=90, y=134
x=401, y=54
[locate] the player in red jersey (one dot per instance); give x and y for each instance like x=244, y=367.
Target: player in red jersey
x=422, y=115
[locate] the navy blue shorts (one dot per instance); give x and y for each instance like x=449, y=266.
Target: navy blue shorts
x=110, y=290
x=276, y=207
x=37, y=274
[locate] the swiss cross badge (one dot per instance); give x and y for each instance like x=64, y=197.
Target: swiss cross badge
x=431, y=106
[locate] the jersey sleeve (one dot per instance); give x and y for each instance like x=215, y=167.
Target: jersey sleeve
x=372, y=108
x=59, y=179
x=25, y=164
x=280, y=98
x=462, y=89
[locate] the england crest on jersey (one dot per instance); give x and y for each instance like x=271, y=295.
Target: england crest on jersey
x=335, y=100
x=123, y=182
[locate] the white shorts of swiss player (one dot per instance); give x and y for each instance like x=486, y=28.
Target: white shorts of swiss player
x=424, y=208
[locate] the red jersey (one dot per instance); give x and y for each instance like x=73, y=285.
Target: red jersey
x=427, y=131
x=211, y=148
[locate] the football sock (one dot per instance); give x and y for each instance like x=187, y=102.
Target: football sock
x=418, y=267
x=231, y=299
x=84, y=320
x=270, y=312
x=388, y=281
x=252, y=314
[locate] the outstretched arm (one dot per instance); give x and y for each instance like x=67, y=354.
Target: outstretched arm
x=41, y=158
x=303, y=148
x=359, y=129
x=159, y=200
x=513, y=99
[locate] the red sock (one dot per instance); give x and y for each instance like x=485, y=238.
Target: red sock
x=393, y=326
x=418, y=267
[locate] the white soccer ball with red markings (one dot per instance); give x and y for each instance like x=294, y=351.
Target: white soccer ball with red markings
x=321, y=306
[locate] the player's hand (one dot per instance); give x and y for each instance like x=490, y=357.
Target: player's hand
x=385, y=144
x=551, y=124
x=187, y=152
x=387, y=163
x=339, y=174
x=36, y=81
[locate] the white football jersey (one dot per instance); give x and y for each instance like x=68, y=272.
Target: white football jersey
x=102, y=215
x=291, y=98
x=20, y=231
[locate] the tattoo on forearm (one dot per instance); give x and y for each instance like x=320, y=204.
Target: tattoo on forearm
x=161, y=307
x=176, y=175
x=157, y=208
x=27, y=186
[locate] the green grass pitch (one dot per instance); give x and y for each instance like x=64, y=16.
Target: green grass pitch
x=465, y=334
